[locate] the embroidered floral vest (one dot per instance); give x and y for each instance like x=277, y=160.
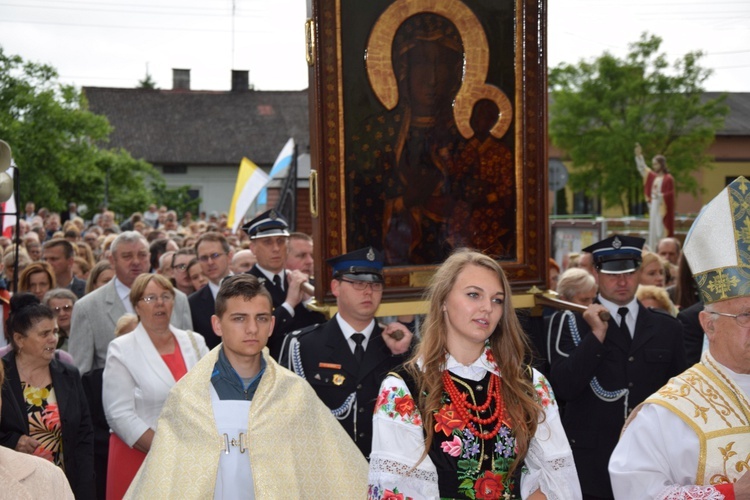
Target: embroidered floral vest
x=478, y=468
x=707, y=400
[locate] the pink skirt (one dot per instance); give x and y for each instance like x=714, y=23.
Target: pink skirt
x=122, y=467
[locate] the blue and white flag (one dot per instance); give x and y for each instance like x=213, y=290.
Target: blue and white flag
x=279, y=167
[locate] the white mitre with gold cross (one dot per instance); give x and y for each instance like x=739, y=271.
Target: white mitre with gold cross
x=718, y=245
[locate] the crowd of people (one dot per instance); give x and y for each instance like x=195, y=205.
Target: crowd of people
x=167, y=358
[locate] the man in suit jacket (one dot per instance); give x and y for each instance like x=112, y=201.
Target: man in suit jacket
x=70, y=214
x=215, y=255
x=96, y=314
x=59, y=253
x=346, y=358
x=269, y=236
x=603, y=369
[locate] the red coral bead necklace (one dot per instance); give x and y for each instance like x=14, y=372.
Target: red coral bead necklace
x=465, y=409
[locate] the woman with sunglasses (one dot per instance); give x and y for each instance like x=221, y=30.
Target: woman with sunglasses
x=61, y=301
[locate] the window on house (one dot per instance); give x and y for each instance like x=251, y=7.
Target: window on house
x=583, y=204
x=174, y=169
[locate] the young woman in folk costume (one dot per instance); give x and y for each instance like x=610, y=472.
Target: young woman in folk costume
x=466, y=417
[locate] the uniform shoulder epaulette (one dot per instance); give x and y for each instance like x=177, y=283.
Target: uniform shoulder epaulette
x=290, y=345
x=304, y=331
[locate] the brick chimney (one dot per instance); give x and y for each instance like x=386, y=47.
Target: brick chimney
x=240, y=80
x=180, y=79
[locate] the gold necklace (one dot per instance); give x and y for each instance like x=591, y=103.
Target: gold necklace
x=27, y=378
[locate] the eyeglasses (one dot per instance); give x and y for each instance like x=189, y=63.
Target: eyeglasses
x=65, y=308
x=742, y=319
x=213, y=256
x=151, y=299
x=360, y=286
x=181, y=267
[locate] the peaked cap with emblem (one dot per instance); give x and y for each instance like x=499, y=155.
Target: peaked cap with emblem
x=717, y=246
x=269, y=223
x=617, y=254
x=365, y=264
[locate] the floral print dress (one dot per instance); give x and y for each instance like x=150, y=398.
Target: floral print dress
x=44, y=422
x=460, y=464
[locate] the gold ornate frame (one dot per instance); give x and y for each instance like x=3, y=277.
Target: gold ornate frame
x=524, y=112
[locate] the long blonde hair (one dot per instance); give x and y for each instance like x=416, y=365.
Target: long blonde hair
x=509, y=349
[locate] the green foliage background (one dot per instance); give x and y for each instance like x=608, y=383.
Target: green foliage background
x=56, y=143
x=600, y=109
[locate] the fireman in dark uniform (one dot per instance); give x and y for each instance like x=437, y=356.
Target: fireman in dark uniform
x=269, y=236
x=603, y=369
x=346, y=358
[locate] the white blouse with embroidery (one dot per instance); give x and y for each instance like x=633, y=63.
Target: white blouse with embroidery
x=398, y=443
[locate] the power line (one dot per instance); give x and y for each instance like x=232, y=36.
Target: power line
x=677, y=3
x=712, y=53
x=80, y=77
x=154, y=28
x=698, y=15
x=149, y=4
x=176, y=11
x=731, y=67
x=128, y=11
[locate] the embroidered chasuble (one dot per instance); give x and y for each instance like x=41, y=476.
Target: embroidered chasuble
x=711, y=404
x=297, y=448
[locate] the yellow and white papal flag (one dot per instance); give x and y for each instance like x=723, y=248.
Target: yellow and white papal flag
x=250, y=180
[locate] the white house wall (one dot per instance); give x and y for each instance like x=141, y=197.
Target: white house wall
x=215, y=185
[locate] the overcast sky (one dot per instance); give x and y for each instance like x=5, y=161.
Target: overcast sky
x=111, y=43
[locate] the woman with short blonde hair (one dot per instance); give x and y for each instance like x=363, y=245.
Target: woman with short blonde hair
x=38, y=278
x=577, y=285
x=652, y=270
x=655, y=297
x=140, y=370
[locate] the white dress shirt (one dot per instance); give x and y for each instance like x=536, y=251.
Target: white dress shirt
x=348, y=330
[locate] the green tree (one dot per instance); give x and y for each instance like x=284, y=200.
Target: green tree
x=127, y=183
x=147, y=83
x=600, y=109
x=177, y=199
x=55, y=141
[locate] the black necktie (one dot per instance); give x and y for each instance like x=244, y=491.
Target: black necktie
x=359, y=350
x=623, y=311
x=277, y=281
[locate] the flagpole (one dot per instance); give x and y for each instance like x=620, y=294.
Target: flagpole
x=293, y=173
x=287, y=201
